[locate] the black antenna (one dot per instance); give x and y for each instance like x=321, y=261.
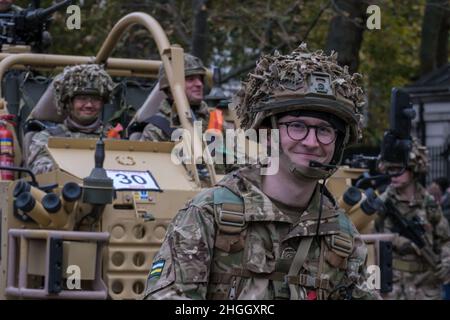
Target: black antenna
x=98, y=188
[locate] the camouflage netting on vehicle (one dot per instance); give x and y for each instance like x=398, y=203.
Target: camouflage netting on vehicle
x=277, y=73
x=81, y=79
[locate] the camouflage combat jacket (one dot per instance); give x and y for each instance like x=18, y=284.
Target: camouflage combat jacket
x=39, y=160
x=414, y=277
x=153, y=132
x=232, y=242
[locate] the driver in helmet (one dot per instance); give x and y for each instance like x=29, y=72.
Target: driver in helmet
x=80, y=93
x=278, y=236
x=161, y=125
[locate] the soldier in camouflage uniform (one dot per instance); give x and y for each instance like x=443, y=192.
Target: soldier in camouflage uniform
x=413, y=276
x=80, y=93
x=280, y=236
x=161, y=125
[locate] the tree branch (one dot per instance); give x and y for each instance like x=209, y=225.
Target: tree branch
x=313, y=24
x=344, y=35
x=358, y=22
x=252, y=61
x=235, y=72
x=434, y=21
x=180, y=28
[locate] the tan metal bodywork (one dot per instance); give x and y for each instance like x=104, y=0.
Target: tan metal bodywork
x=338, y=184
x=133, y=240
x=341, y=180
x=54, y=62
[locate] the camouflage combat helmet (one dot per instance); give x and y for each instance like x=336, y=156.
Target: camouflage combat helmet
x=418, y=157
x=192, y=66
x=84, y=79
x=303, y=81
x=417, y=161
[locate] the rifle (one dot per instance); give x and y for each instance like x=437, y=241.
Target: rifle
x=27, y=26
x=413, y=230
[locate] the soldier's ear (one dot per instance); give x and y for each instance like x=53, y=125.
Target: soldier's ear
x=69, y=107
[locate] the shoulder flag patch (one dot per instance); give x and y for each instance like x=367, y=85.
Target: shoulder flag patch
x=157, y=268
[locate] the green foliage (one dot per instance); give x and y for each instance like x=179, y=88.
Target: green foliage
x=390, y=58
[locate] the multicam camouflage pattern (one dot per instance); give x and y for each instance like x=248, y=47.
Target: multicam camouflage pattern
x=192, y=66
x=418, y=157
x=413, y=277
x=81, y=79
x=39, y=160
x=205, y=259
x=279, y=79
x=152, y=132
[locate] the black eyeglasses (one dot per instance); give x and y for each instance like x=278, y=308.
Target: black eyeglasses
x=298, y=131
x=87, y=98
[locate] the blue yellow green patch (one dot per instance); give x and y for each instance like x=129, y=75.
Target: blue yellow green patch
x=157, y=268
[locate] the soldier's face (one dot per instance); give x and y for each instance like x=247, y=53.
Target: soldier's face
x=402, y=180
x=302, y=152
x=5, y=5
x=86, y=109
x=194, y=89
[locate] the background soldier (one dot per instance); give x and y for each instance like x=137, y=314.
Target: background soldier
x=251, y=236
x=162, y=124
x=80, y=93
x=418, y=272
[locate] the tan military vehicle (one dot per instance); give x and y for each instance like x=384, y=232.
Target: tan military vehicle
x=90, y=228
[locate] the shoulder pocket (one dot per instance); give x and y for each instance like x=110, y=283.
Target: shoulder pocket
x=340, y=246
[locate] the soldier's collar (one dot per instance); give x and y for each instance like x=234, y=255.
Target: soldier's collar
x=72, y=125
x=259, y=207
x=202, y=109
